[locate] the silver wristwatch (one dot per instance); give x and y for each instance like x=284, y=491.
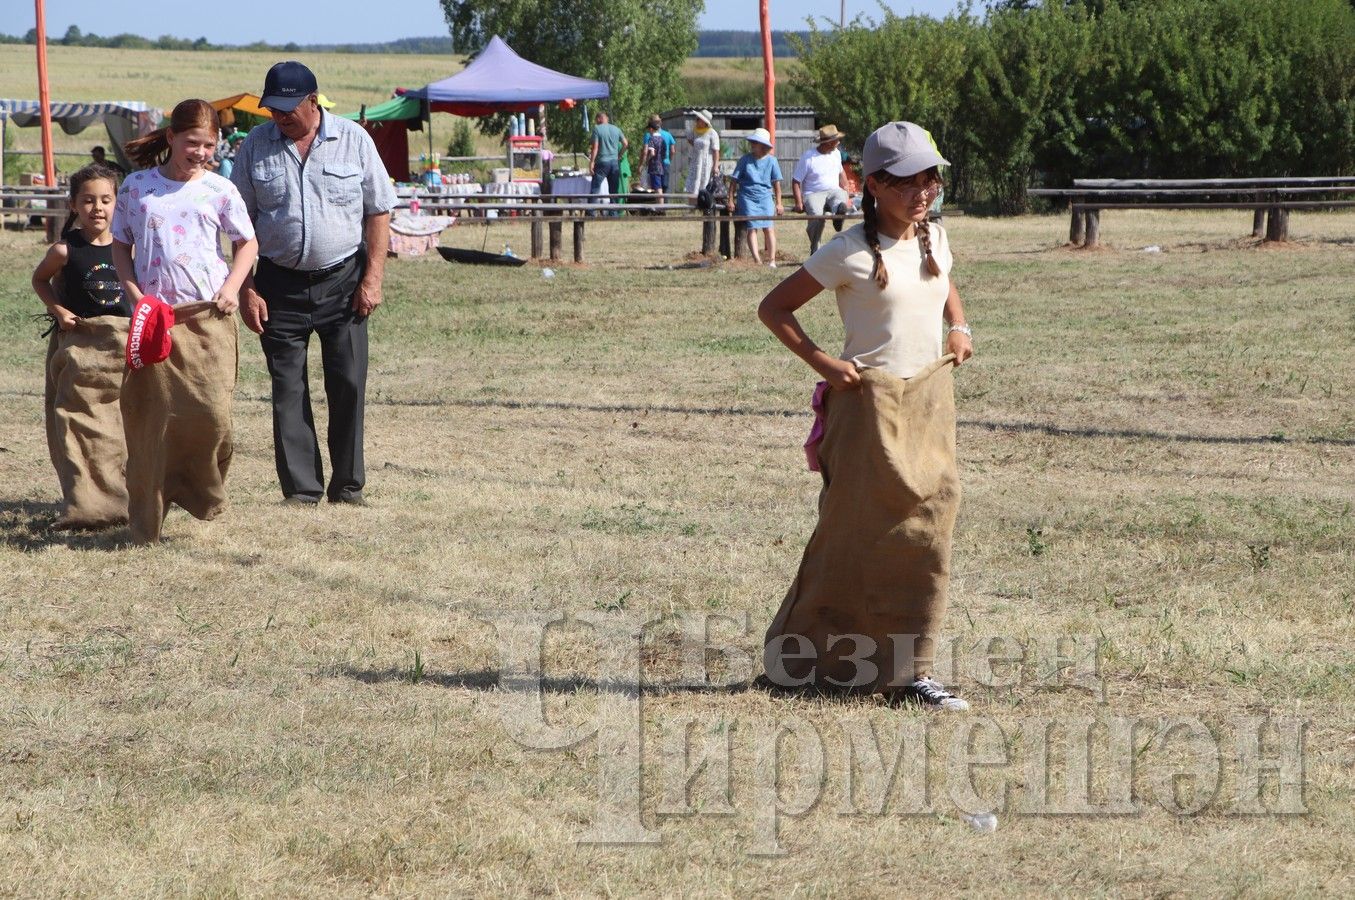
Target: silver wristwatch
x=963, y=329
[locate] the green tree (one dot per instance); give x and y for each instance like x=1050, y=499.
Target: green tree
x=636, y=46
x=72, y=37
x=462, y=142
x=1019, y=96
x=870, y=73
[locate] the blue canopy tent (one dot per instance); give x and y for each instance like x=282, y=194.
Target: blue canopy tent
x=498, y=80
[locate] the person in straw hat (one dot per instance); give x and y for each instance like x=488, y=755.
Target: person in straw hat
x=819, y=184
x=877, y=568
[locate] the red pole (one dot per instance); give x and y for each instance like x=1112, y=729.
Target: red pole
x=44, y=98
x=768, y=67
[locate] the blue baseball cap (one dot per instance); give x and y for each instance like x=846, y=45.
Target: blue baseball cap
x=286, y=85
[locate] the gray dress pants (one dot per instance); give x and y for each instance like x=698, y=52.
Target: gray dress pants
x=818, y=203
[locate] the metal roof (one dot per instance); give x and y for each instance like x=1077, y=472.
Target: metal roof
x=740, y=111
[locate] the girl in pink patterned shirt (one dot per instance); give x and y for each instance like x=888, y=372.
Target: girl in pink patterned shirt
x=174, y=214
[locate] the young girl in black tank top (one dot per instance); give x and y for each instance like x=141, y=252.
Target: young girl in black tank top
x=79, y=285
x=89, y=285
x=89, y=281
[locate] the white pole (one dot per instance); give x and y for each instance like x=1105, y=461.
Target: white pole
x=842, y=16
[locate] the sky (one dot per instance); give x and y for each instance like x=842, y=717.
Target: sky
x=344, y=21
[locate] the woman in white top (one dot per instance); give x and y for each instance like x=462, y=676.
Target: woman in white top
x=877, y=567
x=705, y=152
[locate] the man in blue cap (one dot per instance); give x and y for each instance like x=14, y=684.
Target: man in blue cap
x=320, y=200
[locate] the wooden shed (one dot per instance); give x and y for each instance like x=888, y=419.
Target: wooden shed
x=795, y=127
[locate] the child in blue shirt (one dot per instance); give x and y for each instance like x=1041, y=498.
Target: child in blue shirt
x=758, y=176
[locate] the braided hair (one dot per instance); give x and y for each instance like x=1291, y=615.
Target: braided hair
x=871, y=227
x=924, y=242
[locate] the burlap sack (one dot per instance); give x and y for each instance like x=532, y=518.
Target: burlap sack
x=878, y=563
x=84, y=423
x=177, y=416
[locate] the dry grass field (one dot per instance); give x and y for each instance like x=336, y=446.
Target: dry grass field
x=162, y=78
x=1157, y=451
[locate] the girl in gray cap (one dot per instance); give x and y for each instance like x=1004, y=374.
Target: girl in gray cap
x=877, y=568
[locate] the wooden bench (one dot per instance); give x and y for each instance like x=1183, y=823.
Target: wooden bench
x=1269, y=199
x=548, y=213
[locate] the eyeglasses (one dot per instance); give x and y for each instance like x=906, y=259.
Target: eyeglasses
x=926, y=192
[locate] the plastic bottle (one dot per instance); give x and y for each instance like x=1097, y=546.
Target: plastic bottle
x=508, y=252
x=984, y=822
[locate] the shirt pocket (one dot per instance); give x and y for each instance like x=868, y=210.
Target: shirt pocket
x=270, y=187
x=343, y=184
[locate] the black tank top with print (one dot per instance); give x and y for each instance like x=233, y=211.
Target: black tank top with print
x=90, y=285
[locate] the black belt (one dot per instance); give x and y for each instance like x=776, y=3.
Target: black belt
x=313, y=275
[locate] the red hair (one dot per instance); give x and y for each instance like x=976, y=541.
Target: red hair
x=153, y=149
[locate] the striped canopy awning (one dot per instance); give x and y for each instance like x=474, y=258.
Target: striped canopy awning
x=76, y=117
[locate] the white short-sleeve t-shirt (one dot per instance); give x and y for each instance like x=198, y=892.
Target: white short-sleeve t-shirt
x=818, y=171
x=897, y=329
x=175, y=228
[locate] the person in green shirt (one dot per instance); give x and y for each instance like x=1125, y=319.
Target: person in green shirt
x=604, y=156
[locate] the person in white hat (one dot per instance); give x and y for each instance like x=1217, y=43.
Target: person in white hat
x=704, y=160
x=758, y=176
x=877, y=567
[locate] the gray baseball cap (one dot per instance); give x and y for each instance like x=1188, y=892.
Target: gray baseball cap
x=900, y=148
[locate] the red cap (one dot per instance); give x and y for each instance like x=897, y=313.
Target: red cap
x=148, y=340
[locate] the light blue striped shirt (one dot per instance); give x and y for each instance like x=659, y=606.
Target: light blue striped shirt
x=308, y=214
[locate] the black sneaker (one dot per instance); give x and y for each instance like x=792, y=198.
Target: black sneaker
x=300, y=500
x=932, y=694
x=840, y=212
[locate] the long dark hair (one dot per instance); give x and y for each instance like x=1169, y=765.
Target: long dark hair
x=91, y=172
x=871, y=227
x=153, y=149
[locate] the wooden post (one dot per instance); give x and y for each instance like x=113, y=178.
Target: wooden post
x=578, y=240
x=557, y=229
x=1077, y=229
x=1093, y=238
x=54, y=223
x=726, y=251
x=1277, y=225
x=740, y=229
x=708, y=235
x=536, y=236
x=1258, y=223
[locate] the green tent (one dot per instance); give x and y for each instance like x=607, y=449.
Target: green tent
x=389, y=125
x=393, y=110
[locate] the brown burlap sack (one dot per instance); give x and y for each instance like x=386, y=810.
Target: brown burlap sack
x=877, y=568
x=177, y=416
x=84, y=423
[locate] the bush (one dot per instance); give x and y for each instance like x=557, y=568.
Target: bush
x=1044, y=92
x=463, y=141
